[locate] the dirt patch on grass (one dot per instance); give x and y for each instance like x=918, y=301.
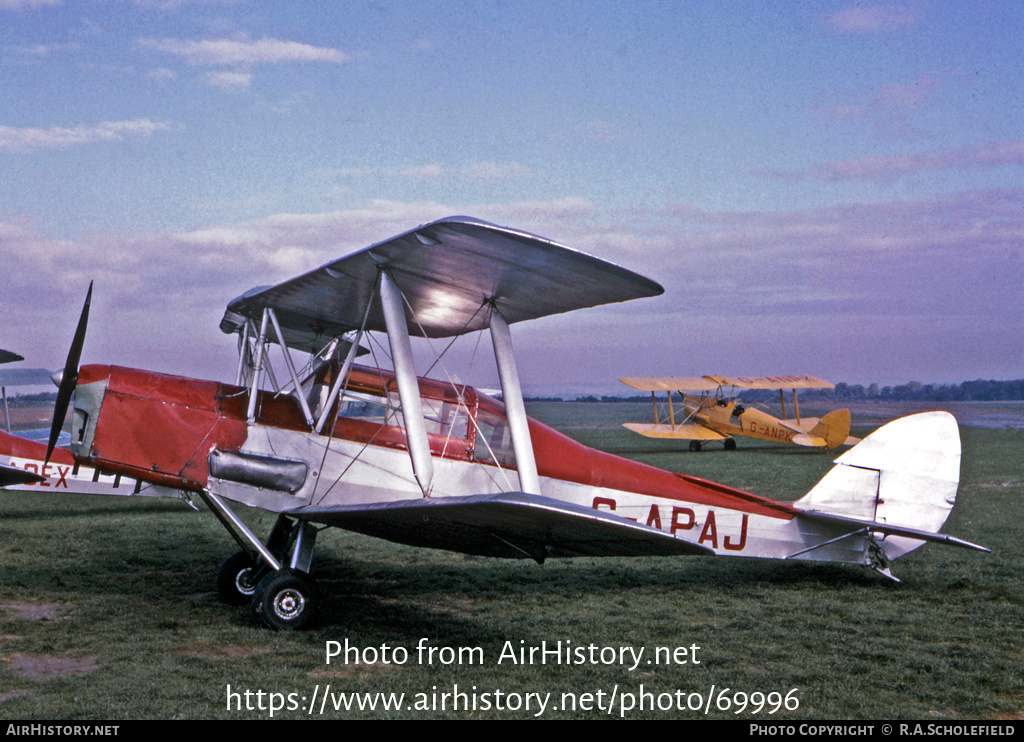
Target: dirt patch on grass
x=32, y=611
x=46, y=666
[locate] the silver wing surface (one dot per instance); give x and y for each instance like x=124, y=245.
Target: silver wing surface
x=510, y=525
x=26, y=377
x=448, y=271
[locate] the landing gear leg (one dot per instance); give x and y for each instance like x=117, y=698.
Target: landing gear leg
x=274, y=577
x=289, y=598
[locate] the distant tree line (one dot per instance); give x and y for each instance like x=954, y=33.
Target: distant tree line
x=979, y=390
x=31, y=400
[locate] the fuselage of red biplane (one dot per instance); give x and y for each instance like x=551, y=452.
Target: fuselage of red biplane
x=167, y=430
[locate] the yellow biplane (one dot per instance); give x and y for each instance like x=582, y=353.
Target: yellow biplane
x=715, y=415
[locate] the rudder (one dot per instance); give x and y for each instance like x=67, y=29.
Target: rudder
x=904, y=474
x=834, y=427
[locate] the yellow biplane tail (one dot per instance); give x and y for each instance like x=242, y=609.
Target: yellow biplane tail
x=830, y=432
x=834, y=427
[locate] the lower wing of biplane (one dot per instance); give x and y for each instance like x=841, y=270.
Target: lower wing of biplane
x=512, y=525
x=679, y=432
x=717, y=416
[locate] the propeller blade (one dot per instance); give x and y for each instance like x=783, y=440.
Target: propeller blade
x=69, y=378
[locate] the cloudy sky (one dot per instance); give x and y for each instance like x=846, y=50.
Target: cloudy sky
x=832, y=188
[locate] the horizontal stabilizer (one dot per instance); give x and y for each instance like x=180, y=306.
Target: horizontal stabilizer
x=891, y=530
x=808, y=440
x=511, y=525
x=678, y=432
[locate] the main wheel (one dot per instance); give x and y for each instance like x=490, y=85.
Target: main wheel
x=730, y=444
x=237, y=578
x=695, y=446
x=286, y=600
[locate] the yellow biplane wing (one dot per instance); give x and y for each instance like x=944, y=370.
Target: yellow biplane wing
x=670, y=383
x=796, y=381
x=710, y=383
x=676, y=432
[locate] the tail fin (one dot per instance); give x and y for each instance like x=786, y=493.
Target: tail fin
x=834, y=427
x=830, y=432
x=900, y=482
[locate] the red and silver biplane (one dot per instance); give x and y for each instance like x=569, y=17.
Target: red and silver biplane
x=437, y=464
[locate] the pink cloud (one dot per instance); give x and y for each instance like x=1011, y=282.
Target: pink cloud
x=895, y=166
x=872, y=18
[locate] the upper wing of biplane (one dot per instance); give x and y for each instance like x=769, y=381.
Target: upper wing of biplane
x=797, y=381
x=710, y=383
x=510, y=525
x=448, y=271
x=670, y=383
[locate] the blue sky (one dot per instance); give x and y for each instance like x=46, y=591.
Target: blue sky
x=831, y=188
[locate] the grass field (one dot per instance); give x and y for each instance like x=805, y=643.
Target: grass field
x=108, y=611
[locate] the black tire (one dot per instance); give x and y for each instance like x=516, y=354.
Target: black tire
x=237, y=578
x=695, y=446
x=287, y=600
x=730, y=444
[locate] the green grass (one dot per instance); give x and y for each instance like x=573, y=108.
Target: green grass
x=108, y=609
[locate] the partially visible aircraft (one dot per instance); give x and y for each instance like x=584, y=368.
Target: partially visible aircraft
x=9, y=473
x=717, y=415
x=18, y=377
x=24, y=465
x=437, y=464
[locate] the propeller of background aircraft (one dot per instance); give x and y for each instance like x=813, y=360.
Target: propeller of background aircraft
x=69, y=377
